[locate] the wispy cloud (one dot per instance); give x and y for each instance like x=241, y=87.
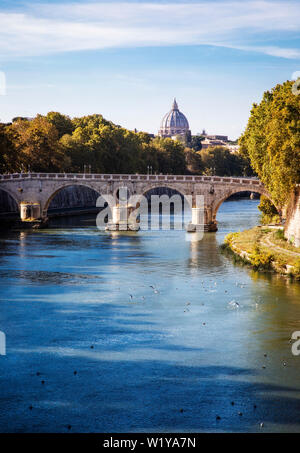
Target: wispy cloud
x=54, y=28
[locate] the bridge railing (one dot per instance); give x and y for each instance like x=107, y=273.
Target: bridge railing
x=133, y=178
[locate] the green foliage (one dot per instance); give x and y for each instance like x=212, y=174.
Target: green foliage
x=220, y=161
x=296, y=270
x=230, y=237
x=8, y=155
x=62, y=123
x=35, y=146
x=171, y=157
x=279, y=234
x=193, y=162
x=272, y=141
x=260, y=259
x=55, y=142
x=195, y=143
x=269, y=211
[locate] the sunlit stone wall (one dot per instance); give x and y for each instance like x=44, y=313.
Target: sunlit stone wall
x=292, y=228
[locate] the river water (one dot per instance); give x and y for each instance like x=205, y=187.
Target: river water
x=92, y=347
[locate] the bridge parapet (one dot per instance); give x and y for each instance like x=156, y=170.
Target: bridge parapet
x=132, y=178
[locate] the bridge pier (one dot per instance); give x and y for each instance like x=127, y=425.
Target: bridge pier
x=121, y=220
x=202, y=220
x=30, y=216
x=30, y=211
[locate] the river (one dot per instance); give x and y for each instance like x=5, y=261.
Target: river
x=138, y=332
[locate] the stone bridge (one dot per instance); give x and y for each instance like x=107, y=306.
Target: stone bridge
x=33, y=192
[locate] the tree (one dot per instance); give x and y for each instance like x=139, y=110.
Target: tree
x=269, y=211
x=37, y=146
x=196, y=142
x=219, y=161
x=193, y=161
x=62, y=123
x=56, y=143
x=171, y=158
x=9, y=160
x=272, y=141
x=103, y=145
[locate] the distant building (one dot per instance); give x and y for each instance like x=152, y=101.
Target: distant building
x=233, y=148
x=224, y=138
x=174, y=123
x=209, y=143
x=218, y=140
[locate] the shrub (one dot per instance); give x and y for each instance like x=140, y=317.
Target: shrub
x=279, y=234
x=229, y=239
x=269, y=212
x=296, y=270
x=260, y=259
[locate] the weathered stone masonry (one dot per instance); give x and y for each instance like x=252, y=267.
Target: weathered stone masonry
x=33, y=192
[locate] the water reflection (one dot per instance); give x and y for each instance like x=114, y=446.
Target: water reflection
x=205, y=254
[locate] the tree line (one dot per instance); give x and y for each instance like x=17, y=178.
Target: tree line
x=57, y=143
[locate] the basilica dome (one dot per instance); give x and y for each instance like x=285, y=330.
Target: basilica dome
x=173, y=123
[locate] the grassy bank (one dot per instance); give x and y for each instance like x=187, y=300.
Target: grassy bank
x=265, y=249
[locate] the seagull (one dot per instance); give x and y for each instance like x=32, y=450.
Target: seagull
x=233, y=303
x=154, y=289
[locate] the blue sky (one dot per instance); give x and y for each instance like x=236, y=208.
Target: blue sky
x=128, y=60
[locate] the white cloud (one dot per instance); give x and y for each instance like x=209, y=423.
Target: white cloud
x=53, y=28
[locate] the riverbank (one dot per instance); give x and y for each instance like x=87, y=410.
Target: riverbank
x=265, y=249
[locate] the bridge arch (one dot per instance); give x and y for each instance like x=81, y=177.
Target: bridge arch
x=174, y=187
x=177, y=205
x=220, y=199
x=66, y=185
x=12, y=196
